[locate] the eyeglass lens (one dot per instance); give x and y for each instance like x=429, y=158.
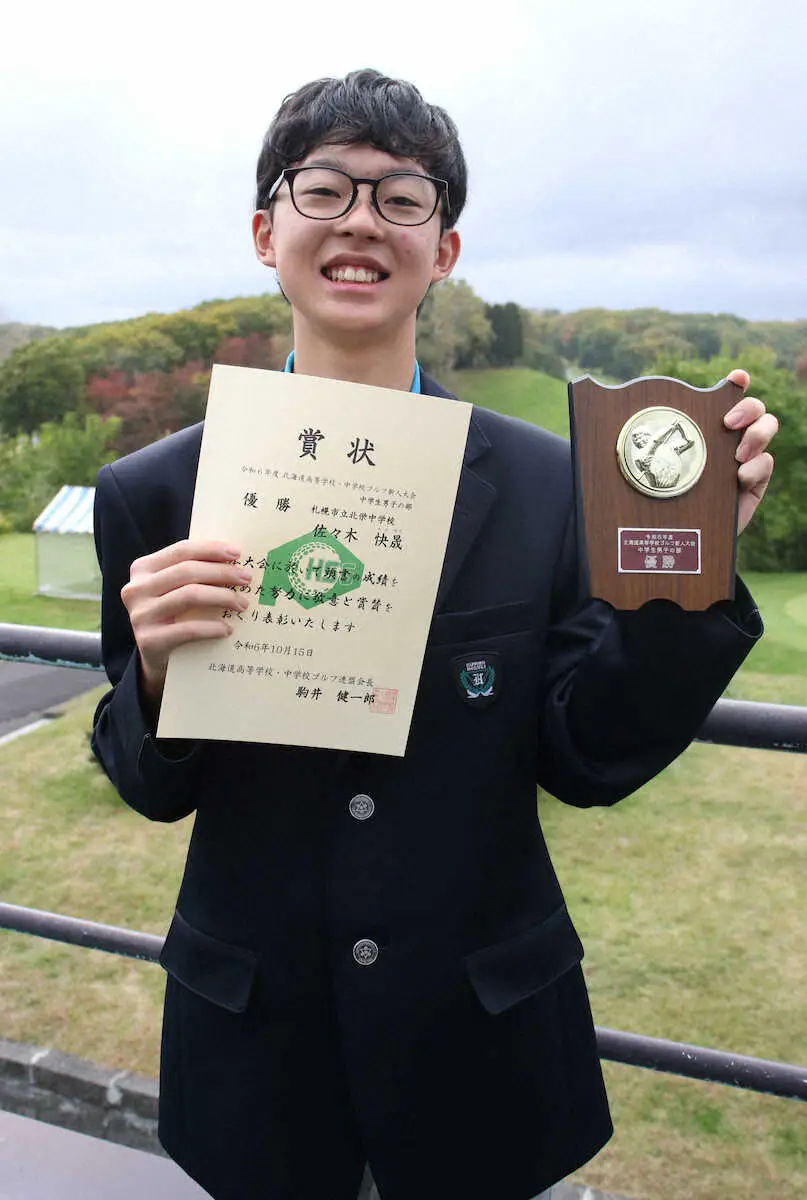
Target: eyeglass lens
x=320, y=192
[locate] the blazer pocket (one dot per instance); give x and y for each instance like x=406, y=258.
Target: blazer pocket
x=217, y=971
x=520, y=966
x=483, y=624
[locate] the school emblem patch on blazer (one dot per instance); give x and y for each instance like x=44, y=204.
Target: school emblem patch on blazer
x=478, y=677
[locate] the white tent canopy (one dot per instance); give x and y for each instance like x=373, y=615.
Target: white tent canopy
x=66, y=565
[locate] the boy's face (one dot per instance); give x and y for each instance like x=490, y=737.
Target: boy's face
x=306, y=254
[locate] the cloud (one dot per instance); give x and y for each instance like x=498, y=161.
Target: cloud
x=619, y=154
x=649, y=276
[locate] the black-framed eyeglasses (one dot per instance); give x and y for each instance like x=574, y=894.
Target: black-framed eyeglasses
x=324, y=193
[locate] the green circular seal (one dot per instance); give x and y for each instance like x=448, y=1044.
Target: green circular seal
x=303, y=582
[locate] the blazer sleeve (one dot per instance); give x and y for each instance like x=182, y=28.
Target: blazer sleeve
x=155, y=778
x=628, y=691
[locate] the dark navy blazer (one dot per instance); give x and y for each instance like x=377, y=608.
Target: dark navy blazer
x=461, y=1060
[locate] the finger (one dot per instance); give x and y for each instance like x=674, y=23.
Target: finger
x=744, y=413
x=755, y=475
x=740, y=377
x=757, y=437
x=157, y=583
x=168, y=556
x=195, y=598
x=156, y=645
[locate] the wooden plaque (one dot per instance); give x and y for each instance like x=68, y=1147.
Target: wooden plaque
x=657, y=490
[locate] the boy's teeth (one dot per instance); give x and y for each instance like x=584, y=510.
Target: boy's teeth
x=353, y=275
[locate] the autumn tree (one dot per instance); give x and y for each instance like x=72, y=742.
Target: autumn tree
x=108, y=392
x=267, y=315
x=32, y=469
x=453, y=331
x=253, y=350
x=702, y=335
x=197, y=334
x=776, y=539
x=150, y=405
x=160, y=342
x=40, y=382
x=507, y=346
x=128, y=346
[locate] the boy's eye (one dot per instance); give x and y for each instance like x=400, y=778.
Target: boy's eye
x=321, y=189
x=409, y=193
x=402, y=201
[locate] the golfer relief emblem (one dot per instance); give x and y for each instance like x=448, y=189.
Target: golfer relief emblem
x=661, y=452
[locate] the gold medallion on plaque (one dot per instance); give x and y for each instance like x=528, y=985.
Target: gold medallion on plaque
x=661, y=452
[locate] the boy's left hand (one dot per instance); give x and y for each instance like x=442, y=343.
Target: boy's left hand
x=756, y=464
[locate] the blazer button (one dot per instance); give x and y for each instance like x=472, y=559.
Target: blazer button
x=361, y=807
x=365, y=952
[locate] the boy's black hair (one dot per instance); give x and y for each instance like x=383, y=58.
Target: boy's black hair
x=365, y=107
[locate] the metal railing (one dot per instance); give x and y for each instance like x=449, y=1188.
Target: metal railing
x=732, y=723
x=38, y=645
x=634, y=1049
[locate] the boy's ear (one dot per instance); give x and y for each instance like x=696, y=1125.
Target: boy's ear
x=262, y=239
x=448, y=251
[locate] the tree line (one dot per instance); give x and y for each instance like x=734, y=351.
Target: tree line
x=73, y=399
x=78, y=398
x=458, y=330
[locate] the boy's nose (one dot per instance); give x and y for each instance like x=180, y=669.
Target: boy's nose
x=362, y=215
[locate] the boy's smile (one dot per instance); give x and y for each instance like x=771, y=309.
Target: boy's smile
x=357, y=278
x=355, y=269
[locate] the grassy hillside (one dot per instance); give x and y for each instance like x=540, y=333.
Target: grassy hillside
x=14, y=334
x=517, y=393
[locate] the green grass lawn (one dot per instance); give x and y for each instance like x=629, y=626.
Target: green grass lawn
x=67, y=844
x=517, y=393
x=19, y=604
x=690, y=897
x=776, y=669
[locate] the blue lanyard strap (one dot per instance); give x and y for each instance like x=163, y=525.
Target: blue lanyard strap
x=415, y=386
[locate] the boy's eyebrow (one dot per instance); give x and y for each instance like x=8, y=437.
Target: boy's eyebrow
x=340, y=165
x=324, y=161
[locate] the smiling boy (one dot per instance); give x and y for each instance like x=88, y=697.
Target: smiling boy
x=371, y=960
x=353, y=297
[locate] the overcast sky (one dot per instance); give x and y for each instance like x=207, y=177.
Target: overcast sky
x=623, y=154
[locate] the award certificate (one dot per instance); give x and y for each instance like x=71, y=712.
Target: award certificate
x=340, y=497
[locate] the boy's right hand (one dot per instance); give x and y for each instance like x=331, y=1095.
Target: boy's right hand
x=178, y=595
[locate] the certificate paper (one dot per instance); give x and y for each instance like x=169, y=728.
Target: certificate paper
x=340, y=497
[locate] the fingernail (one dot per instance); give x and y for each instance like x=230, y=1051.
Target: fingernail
x=232, y=552
x=245, y=576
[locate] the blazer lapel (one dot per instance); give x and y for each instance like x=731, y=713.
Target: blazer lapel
x=475, y=497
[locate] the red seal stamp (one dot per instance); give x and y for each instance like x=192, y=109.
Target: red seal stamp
x=385, y=701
